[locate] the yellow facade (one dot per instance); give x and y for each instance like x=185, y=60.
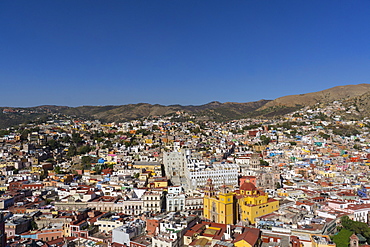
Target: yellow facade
x=93, y=181
x=329, y=174
x=242, y=243
x=259, y=148
x=66, y=178
x=251, y=212
x=160, y=184
x=229, y=207
x=220, y=209
x=321, y=241
x=147, y=167
x=144, y=176
x=37, y=169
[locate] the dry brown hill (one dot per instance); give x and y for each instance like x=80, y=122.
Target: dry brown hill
x=213, y=110
x=352, y=95
x=325, y=96
x=362, y=104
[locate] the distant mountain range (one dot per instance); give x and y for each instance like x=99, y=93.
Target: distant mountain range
x=357, y=95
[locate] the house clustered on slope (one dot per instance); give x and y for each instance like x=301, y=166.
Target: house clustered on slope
x=165, y=183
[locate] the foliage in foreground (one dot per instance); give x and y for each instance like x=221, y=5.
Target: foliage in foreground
x=356, y=227
x=342, y=238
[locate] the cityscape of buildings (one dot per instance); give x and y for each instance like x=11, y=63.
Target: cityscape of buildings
x=300, y=180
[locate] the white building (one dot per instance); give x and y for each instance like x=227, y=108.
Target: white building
x=194, y=200
x=221, y=174
x=124, y=234
x=152, y=201
x=175, y=165
x=175, y=199
x=171, y=230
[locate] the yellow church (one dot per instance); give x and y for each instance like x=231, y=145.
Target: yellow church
x=245, y=204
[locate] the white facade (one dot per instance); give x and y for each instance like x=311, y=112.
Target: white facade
x=152, y=201
x=107, y=225
x=170, y=233
x=220, y=173
x=175, y=202
x=174, y=163
x=195, y=165
x=175, y=190
x=361, y=215
x=129, y=206
x=193, y=202
x=242, y=160
x=123, y=234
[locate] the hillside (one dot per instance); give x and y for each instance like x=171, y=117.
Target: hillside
x=325, y=96
x=356, y=95
x=361, y=104
x=214, y=110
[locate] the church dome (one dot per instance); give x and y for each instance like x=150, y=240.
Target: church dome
x=248, y=186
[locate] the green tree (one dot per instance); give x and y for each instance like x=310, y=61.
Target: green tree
x=356, y=227
x=263, y=162
x=4, y=133
x=265, y=140
x=342, y=238
x=321, y=116
x=67, y=139
x=86, y=161
x=107, y=144
x=54, y=144
x=356, y=146
x=84, y=149
x=98, y=169
x=76, y=138
x=72, y=150
x=325, y=136
x=34, y=225
x=278, y=185
x=196, y=130
x=57, y=169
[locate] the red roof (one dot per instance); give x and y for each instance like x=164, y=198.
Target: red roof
x=250, y=235
x=248, y=186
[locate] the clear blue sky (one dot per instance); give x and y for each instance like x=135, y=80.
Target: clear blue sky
x=74, y=52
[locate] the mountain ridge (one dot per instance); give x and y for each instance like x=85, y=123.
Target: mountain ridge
x=214, y=110
x=323, y=96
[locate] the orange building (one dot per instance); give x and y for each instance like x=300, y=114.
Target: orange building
x=251, y=179
x=45, y=235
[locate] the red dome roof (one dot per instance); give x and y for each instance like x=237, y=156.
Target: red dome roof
x=248, y=186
